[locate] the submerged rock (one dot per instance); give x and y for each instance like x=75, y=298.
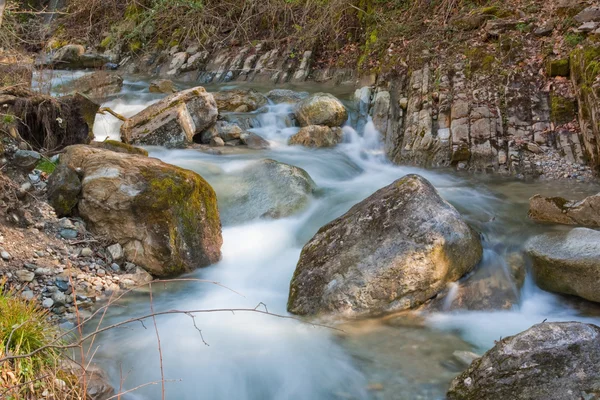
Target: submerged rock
x=239, y=100
x=317, y=136
x=549, y=361
x=173, y=121
x=64, y=187
x=265, y=189
x=321, y=109
x=561, y=211
x=567, y=262
x=393, y=251
x=165, y=217
x=254, y=141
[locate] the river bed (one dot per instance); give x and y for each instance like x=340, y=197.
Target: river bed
x=247, y=356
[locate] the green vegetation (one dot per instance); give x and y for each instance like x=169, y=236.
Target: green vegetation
x=24, y=328
x=558, y=67
x=46, y=166
x=563, y=110
x=573, y=39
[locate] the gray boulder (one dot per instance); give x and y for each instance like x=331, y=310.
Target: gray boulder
x=64, y=187
x=567, y=262
x=266, y=189
x=254, y=141
x=223, y=129
x=549, y=361
x=392, y=251
x=321, y=109
x=173, y=121
x=561, y=211
x=162, y=86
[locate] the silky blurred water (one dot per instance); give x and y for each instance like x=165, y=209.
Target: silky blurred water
x=251, y=357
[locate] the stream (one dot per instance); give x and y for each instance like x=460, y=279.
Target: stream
x=249, y=356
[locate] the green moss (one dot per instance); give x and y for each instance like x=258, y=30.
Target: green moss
x=477, y=59
x=135, y=45
x=120, y=147
x=573, y=39
x=563, y=110
x=46, y=166
x=185, y=205
x=558, y=67
x=106, y=42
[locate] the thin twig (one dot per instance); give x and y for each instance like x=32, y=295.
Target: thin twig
x=160, y=356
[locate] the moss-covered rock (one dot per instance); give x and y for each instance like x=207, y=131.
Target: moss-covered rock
x=165, y=217
x=558, y=67
x=64, y=187
x=563, y=110
x=120, y=147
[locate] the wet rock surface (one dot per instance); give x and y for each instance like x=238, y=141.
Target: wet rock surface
x=567, y=262
x=549, y=361
x=393, y=251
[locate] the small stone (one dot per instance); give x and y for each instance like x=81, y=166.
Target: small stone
x=130, y=267
x=47, y=303
x=217, y=142
x=60, y=299
x=115, y=251
x=27, y=295
x=68, y=233
x=66, y=223
x=26, y=160
x=5, y=256
x=101, y=272
x=86, y=252
x=24, y=275
x=115, y=267
x=62, y=285
x=43, y=271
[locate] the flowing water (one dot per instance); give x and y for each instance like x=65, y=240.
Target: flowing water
x=249, y=356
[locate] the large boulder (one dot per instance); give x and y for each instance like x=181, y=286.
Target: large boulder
x=317, y=136
x=64, y=186
x=265, y=189
x=567, y=262
x=239, y=100
x=165, y=217
x=392, y=251
x=223, y=129
x=561, y=211
x=97, y=85
x=549, y=361
x=321, y=109
x=173, y=121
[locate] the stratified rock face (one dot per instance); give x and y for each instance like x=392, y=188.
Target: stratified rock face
x=561, y=211
x=321, y=109
x=393, y=251
x=549, y=361
x=239, y=100
x=317, y=136
x=266, y=189
x=165, y=217
x=173, y=121
x=567, y=262
x=97, y=85
x=64, y=187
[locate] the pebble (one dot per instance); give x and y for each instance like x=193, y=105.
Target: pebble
x=47, y=303
x=28, y=295
x=86, y=252
x=66, y=223
x=68, y=233
x=115, y=251
x=62, y=285
x=115, y=267
x=24, y=275
x=101, y=272
x=60, y=299
x=5, y=256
